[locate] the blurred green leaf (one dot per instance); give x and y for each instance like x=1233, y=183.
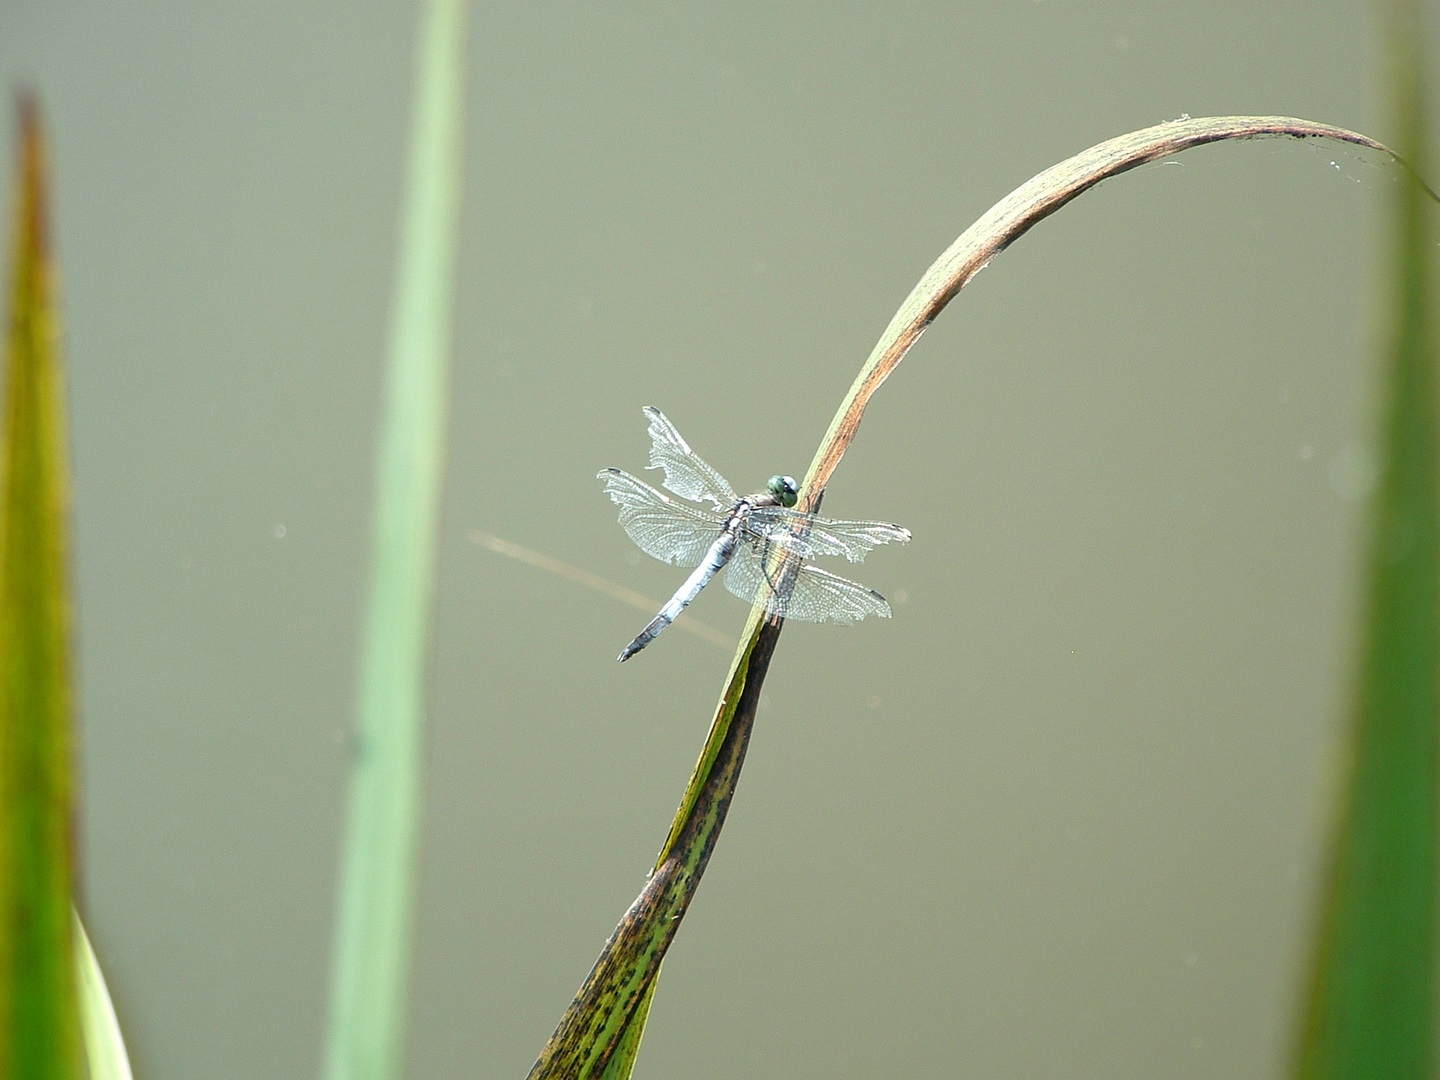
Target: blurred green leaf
x=39, y=1025
x=371, y=962
x=104, y=1045
x=1371, y=1000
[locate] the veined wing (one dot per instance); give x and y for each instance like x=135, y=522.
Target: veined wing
x=814, y=595
x=661, y=527
x=685, y=474
x=822, y=536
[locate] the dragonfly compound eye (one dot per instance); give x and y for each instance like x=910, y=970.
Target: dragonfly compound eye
x=784, y=489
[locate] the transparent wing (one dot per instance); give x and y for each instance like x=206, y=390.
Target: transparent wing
x=661, y=527
x=821, y=536
x=685, y=474
x=815, y=596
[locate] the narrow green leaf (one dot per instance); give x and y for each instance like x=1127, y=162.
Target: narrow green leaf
x=600, y=1032
x=104, y=1045
x=371, y=963
x=39, y=1026
x=1371, y=1000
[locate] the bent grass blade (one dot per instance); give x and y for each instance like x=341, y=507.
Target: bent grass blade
x=599, y=1034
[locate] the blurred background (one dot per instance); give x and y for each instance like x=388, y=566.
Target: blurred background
x=1062, y=816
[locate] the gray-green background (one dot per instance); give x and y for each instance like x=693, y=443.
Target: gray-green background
x=1061, y=817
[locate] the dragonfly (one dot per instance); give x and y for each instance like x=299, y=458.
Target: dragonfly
x=760, y=540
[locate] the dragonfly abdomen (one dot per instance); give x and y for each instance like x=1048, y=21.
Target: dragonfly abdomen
x=716, y=557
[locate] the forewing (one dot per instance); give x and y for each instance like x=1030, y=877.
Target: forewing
x=661, y=527
x=685, y=473
x=814, y=596
x=821, y=536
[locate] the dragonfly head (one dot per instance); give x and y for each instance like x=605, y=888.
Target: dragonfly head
x=784, y=488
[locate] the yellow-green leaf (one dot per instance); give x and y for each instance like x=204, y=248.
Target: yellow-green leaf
x=39, y=1027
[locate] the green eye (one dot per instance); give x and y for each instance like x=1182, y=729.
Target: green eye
x=784, y=489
